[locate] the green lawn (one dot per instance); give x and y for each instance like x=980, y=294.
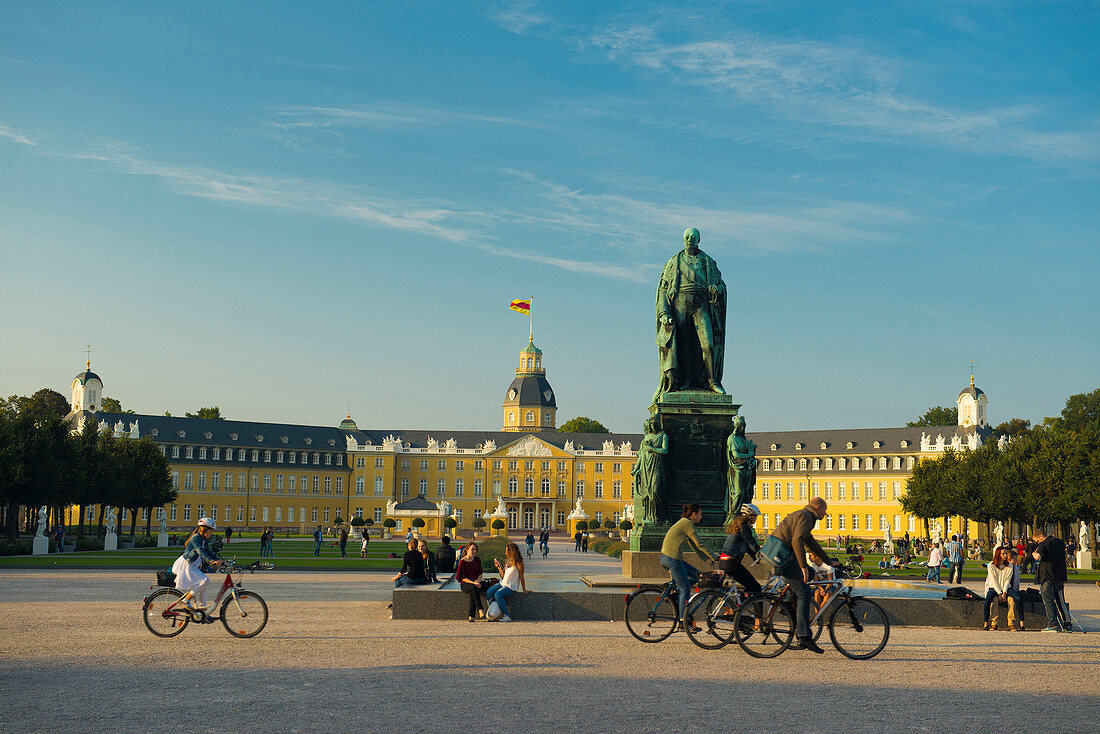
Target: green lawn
x=972, y=570
x=295, y=553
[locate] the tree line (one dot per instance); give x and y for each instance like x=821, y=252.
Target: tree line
x=1047, y=474
x=42, y=462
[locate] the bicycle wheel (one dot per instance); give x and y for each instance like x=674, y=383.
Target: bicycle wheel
x=859, y=628
x=650, y=615
x=712, y=612
x=162, y=620
x=244, y=616
x=854, y=570
x=763, y=626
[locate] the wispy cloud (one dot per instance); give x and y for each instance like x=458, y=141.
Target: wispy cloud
x=15, y=135
x=517, y=16
x=385, y=115
x=608, y=235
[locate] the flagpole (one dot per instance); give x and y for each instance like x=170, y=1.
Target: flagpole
x=531, y=316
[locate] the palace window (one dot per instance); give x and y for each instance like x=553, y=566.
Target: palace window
x=293, y=457
x=855, y=522
x=215, y=478
x=187, y=480
x=882, y=491
x=790, y=490
x=545, y=487
x=478, y=464
x=202, y=481
x=424, y=486
x=528, y=465
x=530, y=417
x=378, y=486
x=267, y=456
x=561, y=466
x=764, y=518
x=910, y=462
x=840, y=522
x=598, y=494
x=897, y=462
x=580, y=489
x=460, y=487
x=379, y=463
x=561, y=517
x=423, y=465
x=404, y=487
x=328, y=459
x=360, y=486
x=477, y=487
x=802, y=491
x=897, y=490
x=291, y=483
x=528, y=487
x=460, y=465
x=765, y=465
x=869, y=519
x=599, y=467
x=190, y=452
x=441, y=487
x=561, y=489
x=868, y=491
x=828, y=490
x=790, y=464
x=216, y=454
x=546, y=466
x=202, y=452
x=513, y=486
x=841, y=491
x=764, y=491
x=802, y=465
x=267, y=483
x=513, y=465
x=616, y=490
x=881, y=463
x=828, y=464
x=175, y=452
x=897, y=523
x=828, y=522
x=441, y=465
x=378, y=514
x=255, y=454
x=817, y=464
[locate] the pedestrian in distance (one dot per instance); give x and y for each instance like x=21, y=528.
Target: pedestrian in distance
x=577, y=539
x=935, y=561
x=318, y=536
x=365, y=546
x=344, y=541
x=954, y=551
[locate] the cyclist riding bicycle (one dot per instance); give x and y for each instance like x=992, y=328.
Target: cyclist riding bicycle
x=188, y=567
x=672, y=557
x=741, y=540
x=530, y=540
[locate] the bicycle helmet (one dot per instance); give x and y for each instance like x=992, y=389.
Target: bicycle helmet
x=206, y=522
x=750, y=509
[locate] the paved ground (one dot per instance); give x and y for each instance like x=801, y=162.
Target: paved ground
x=75, y=656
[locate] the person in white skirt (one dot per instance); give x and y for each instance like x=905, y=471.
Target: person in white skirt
x=189, y=577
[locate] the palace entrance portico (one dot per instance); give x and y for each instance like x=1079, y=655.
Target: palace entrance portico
x=530, y=514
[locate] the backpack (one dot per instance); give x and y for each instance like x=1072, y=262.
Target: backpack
x=961, y=593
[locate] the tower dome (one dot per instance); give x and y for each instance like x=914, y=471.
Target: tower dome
x=348, y=424
x=972, y=404
x=87, y=390
x=530, y=404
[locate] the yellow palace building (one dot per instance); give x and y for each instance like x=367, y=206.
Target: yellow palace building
x=250, y=474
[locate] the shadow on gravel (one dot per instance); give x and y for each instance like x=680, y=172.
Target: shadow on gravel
x=507, y=698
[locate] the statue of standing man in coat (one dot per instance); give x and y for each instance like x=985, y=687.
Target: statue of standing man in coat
x=691, y=321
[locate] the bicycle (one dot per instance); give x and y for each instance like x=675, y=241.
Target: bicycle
x=852, y=567
x=243, y=613
x=765, y=623
x=653, y=614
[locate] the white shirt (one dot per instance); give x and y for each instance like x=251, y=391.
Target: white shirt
x=511, y=578
x=935, y=557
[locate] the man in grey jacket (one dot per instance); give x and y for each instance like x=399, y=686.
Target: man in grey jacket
x=796, y=531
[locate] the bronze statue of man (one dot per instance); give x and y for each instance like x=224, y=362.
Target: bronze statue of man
x=741, y=474
x=649, y=473
x=691, y=321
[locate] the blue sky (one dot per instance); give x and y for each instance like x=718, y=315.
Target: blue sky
x=285, y=209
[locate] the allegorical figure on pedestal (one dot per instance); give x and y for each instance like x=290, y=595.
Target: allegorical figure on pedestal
x=741, y=475
x=691, y=321
x=649, y=471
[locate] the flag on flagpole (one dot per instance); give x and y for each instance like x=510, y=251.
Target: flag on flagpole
x=522, y=306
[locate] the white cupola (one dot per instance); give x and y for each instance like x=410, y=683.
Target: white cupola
x=971, y=403
x=87, y=390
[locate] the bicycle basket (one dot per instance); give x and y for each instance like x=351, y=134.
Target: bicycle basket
x=165, y=577
x=709, y=580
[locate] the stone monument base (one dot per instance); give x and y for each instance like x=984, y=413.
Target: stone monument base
x=1084, y=560
x=40, y=546
x=162, y=540
x=110, y=542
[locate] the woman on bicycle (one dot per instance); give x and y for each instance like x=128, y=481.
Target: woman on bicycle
x=740, y=540
x=672, y=557
x=188, y=567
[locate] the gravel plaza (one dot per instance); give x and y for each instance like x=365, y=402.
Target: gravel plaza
x=75, y=656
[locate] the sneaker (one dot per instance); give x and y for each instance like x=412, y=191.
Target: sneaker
x=1050, y=629
x=505, y=618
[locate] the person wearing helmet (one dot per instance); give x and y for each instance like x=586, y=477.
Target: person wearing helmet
x=740, y=540
x=188, y=567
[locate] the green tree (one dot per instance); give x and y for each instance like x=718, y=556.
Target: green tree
x=214, y=413
x=1082, y=411
x=46, y=402
x=937, y=416
x=112, y=405
x=1012, y=428
x=582, y=424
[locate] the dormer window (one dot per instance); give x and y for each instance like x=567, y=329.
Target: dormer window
x=232, y=437
x=798, y=447
x=905, y=444
x=309, y=442
x=775, y=446
x=259, y=439
x=824, y=445
x=332, y=442
x=851, y=445
x=878, y=444
x=155, y=433
x=182, y=434
x=284, y=439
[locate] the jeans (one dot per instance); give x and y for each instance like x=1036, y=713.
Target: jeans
x=803, y=596
x=956, y=571
x=1051, y=592
x=933, y=573
x=991, y=594
x=406, y=581
x=498, y=594
x=685, y=575
x=343, y=549
x=317, y=549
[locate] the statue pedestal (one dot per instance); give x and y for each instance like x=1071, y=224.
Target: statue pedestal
x=647, y=565
x=1084, y=560
x=110, y=542
x=698, y=425
x=162, y=540
x=40, y=546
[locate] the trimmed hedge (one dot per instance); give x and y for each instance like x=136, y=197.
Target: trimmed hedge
x=15, y=548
